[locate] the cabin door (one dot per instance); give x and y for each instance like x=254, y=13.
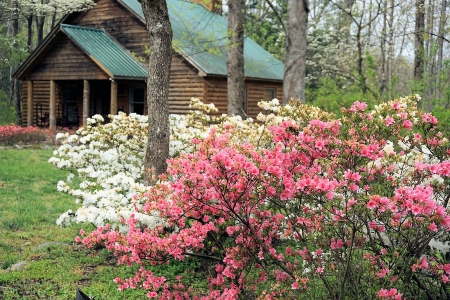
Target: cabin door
x=69, y=114
x=100, y=98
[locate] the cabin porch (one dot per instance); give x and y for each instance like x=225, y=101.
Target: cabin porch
x=68, y=103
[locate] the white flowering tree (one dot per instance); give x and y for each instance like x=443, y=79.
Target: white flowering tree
x=41, y=9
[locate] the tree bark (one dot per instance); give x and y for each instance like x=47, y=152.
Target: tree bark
x=29, y=32
x=295, y=60
x=346, y=19
x=40, y=20
x=17, y=100
x=390, y=57
x=160, y=42
x=440, y=42
x=15, y=83
x=419, y=40
x=235, y=58
x=383, y=87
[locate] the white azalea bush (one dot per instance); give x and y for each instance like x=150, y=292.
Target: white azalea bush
x=108, y=158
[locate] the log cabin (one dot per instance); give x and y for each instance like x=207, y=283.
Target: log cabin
x=94, y=62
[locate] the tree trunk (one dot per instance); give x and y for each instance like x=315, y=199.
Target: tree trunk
x=160, y=42
x=17, y=99
x=346, y=19
x=13, y=83
x=295, y=60
x=52, y=24
x=430, y=57
x=235, y=58
x=390, y=58
x=440, y=42
x=40, y=20
x=29, y=32
x=419, y=40
x=383, y=87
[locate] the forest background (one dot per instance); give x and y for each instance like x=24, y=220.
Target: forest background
x=366, y=50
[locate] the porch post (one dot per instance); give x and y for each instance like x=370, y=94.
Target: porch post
x=52, y=120
x=30, y=103
x=86, y=96
x=113, y=108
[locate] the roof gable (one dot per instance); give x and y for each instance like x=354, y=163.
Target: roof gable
x=107, y=53
x=200, y=36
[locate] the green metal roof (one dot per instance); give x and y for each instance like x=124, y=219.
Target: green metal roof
x=200, y=35
x=106, y=52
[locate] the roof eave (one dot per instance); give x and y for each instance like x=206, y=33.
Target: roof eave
x=124, y=77
x=265, y=79
x=202, y=72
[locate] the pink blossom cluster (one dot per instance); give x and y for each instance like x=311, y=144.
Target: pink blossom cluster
x=323, y=205
x=10, y=134
x=389, y=294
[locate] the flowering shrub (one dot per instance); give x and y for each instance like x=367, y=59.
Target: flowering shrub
x=13, y=134
x=338, y=209
x=108, y=158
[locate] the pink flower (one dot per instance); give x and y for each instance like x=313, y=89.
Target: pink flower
x=294, y=286
x=336, y=244
x=152, y=294
x=382, y=273
x=319, y=270
x=396, y=105
x=371, y=204
x=407, y=124
x=389, y=121
x=432, y=227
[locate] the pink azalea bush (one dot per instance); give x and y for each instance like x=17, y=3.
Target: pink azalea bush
x=13, y=134
x=336, y=209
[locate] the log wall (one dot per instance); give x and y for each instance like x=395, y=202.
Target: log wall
x=41, y=97
x=216, y=92
x=185, y=83
x=255, y=93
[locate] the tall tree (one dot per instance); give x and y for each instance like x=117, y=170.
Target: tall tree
x=440, y=41
x=15, y=93
x=235, y=58
x=160, y=57
x=295, y=59
x=419, y=33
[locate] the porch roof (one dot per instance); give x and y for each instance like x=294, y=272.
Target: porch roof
x=201, y=37
x=112, y=58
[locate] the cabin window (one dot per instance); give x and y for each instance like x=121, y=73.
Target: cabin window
x=137, y=100
x=269, y=94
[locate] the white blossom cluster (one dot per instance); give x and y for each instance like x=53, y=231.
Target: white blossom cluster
x=54, y=6
x=108, y=158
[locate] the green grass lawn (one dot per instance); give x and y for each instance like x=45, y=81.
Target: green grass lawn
x=29, y=207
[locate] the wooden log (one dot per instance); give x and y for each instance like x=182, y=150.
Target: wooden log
x=52, y=119
x=30, y=103
x=113, y=108
x=86, y=95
